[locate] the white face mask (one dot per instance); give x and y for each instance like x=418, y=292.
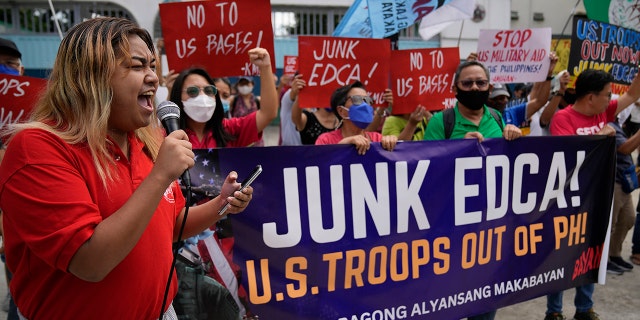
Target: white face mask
x=244, y=90
x=200, y=109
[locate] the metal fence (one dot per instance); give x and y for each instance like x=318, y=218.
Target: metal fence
x=36, y=18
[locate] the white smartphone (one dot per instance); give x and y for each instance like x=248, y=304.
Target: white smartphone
x=165, y=65
x=245, y=183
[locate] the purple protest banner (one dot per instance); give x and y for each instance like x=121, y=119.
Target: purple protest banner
x=433, y=229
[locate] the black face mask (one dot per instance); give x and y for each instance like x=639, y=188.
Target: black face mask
x=569, y=98
x=473, y=100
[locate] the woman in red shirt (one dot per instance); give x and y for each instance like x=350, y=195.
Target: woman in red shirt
x=88, y=185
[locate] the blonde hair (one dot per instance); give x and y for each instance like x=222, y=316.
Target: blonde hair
x=77, y=102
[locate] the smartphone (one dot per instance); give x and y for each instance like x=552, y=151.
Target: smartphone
x=245, y=183
x=165, y=65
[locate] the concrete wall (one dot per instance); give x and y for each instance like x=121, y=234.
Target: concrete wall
x=555, y=14
x=498, y=16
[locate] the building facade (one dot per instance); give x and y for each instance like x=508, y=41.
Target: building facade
x=31, y=23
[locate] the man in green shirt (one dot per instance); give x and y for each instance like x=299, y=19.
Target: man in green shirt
x=473, y=119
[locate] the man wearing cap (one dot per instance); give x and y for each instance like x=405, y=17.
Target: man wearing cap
x=499, y=97
x=10, y=58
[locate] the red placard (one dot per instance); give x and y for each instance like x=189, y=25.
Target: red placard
x=18, y=96
x=327, y=63
x=216, y=35
x=290, y=65
x=423, y=76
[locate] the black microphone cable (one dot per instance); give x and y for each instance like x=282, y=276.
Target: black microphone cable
x=175, y=251
x=169, y=114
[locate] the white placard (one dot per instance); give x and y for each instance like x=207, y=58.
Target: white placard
x=520, y=55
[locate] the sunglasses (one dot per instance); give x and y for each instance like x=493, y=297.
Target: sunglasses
x=468, y=84
x=360, y=99
x=194, y=91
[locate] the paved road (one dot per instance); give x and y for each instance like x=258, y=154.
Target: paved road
x=618, y=299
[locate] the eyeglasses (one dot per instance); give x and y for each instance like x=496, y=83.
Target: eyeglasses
x=360, y=99
x=194, y=91
x=468, y=84
x=608, y=94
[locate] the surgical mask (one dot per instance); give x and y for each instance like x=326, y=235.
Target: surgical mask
x=200, y=109
x=225, y=105
x=472, y=99
x=5, y=69
x=245, y=90
x=361, y=115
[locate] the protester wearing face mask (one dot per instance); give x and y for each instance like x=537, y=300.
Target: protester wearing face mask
x=224, y=90
x=201, y=101
x=245, y=102
x=473, y=119
x=10, y=58
x=352, y=105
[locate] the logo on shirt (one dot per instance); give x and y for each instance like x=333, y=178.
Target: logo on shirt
x=586, y=131
x=168, y=194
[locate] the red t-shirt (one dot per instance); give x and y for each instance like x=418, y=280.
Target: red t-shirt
x=335, y=136
x=53, y=199
x=243, y=128
x=568, y=122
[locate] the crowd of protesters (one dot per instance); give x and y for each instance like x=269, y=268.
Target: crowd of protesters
x=220, y=113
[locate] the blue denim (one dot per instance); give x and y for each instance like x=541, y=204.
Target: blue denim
x=485, y=316
x=583, y=299
x=635, y=239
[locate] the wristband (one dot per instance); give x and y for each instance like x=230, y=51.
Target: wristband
x=549, y=78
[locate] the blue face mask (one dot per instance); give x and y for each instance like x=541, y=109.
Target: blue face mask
x=361, y=115
x=5, y=69
x=225, y=105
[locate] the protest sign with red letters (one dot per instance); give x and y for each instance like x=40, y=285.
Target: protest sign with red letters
x=520, y=55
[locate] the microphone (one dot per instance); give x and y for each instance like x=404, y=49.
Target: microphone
x=169, y=114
